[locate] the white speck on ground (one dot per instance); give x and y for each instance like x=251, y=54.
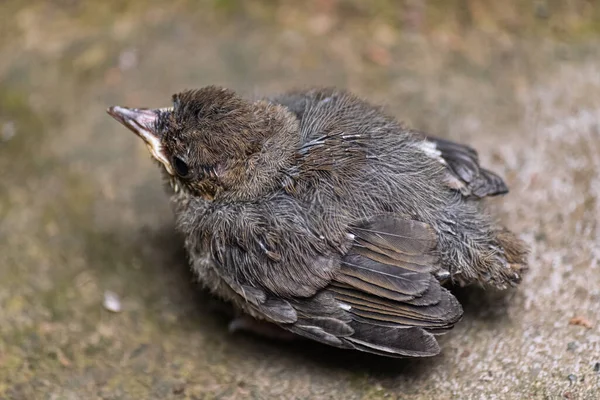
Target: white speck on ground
x=112, y=302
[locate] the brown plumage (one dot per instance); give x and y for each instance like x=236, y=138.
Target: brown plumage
x=317, y=212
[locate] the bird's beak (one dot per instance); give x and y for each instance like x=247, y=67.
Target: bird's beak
x=142, y=122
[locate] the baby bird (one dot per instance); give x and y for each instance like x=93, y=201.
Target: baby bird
x=317, y=212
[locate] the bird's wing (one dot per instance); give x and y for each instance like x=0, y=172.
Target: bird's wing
x=383, y=297
x=462, y=164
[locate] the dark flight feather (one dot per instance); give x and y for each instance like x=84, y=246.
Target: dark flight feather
x=415, y=342
x=402, y=236
x=462, y=163
x=389, y=277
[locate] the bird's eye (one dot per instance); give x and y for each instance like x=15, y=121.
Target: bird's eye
x=181, y=168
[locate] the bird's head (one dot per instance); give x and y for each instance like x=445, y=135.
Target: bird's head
x=214, y=144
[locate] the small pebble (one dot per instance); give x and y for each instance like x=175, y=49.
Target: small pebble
x=572, y=378
x=488, y=376
x=112, y=302
x=8, y=131
x=581, y=321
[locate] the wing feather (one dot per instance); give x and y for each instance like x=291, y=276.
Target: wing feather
x=464, y=171
x=376, y=304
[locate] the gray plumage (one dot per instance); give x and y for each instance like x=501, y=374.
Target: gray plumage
x=316, y=211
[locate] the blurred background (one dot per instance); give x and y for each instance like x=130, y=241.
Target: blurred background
x=96, y=301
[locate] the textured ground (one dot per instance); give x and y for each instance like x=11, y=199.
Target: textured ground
x=82, y=210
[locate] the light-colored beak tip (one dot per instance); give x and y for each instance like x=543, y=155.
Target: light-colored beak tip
x=139, y=120
x=112, y=111
x=142, y=122
x=119, y=113
x=127, y=115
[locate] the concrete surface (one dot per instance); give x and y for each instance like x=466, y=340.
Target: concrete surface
x=82, y=210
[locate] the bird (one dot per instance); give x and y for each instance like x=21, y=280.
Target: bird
x=317, y=213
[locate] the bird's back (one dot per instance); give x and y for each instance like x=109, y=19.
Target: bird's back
x=362, y=160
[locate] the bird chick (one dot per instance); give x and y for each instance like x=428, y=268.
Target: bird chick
x=315, y=211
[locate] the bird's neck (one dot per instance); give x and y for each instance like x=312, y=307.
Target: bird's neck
x=264, y=171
